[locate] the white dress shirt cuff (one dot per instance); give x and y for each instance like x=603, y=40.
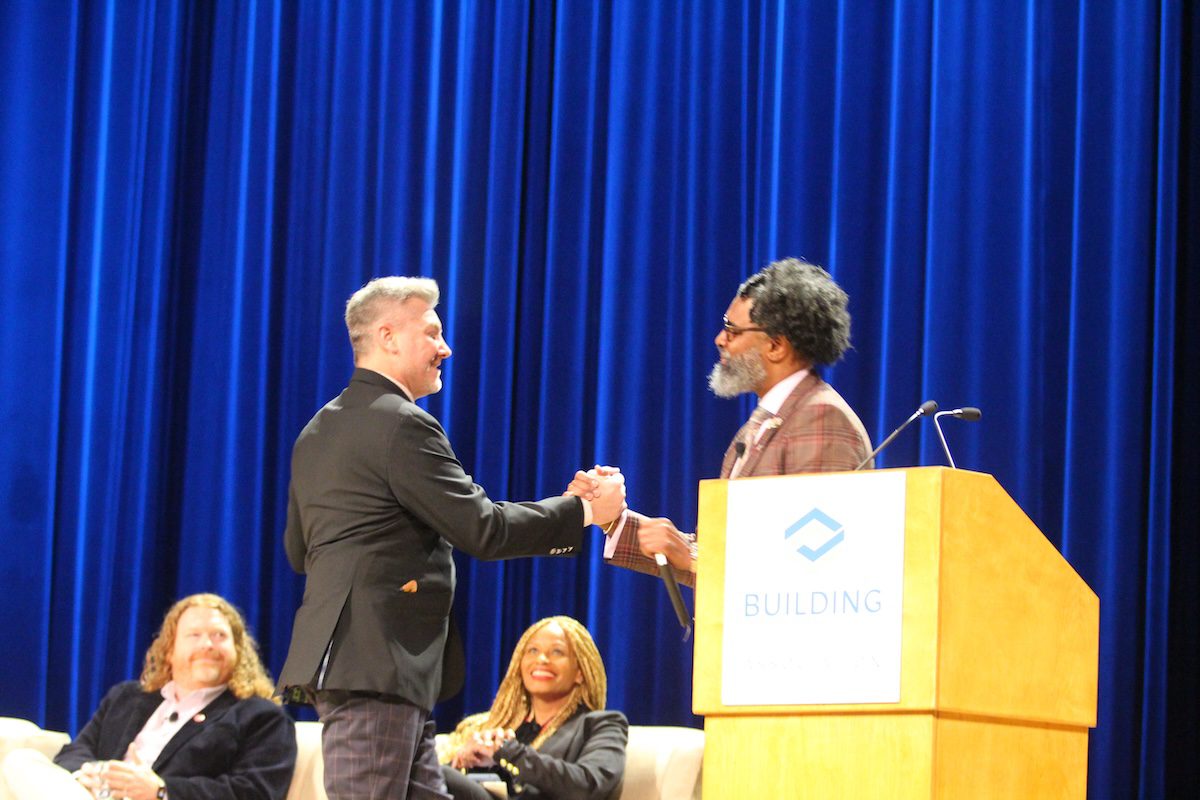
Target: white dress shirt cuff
x=614, y=535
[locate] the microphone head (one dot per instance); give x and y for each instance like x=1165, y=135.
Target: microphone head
x=927, y=408
x=970, y=413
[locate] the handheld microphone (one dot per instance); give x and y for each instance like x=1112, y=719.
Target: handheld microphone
x=668, y=577
x=969, y=413
x=928, y=407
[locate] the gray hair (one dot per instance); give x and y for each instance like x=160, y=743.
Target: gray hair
x=368, y=304
x=802, y=303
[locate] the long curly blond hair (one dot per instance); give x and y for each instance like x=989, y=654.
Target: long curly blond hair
x=512, y=705
x=249, y=678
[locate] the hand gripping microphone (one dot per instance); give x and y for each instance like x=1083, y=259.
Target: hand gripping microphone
x=970, y=414
x=927, y=408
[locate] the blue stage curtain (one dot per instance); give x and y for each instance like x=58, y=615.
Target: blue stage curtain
x=190, y=190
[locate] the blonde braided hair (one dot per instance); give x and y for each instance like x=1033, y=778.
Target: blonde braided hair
x=512, y=705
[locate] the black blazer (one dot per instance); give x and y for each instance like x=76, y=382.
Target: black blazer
x=243, y=750
x=583, y=760
x=376, y=502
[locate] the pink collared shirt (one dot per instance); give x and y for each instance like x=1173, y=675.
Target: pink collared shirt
x=161, y=727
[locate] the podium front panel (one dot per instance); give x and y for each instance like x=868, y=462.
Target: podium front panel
x=999, y=658
x=918, y=615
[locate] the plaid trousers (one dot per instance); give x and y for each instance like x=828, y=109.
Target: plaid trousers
x=377, y=748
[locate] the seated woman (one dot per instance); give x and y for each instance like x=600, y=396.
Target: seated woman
x=547, y=734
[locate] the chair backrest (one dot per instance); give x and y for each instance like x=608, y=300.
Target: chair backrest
x=308, y=779
x=21, y=734
x=663, y=762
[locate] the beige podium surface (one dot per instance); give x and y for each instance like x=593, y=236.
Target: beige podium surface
x=999, y=657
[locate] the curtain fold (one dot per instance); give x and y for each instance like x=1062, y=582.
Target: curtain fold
x=190, y=191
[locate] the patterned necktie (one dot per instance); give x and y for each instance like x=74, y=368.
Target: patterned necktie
x=746, y=437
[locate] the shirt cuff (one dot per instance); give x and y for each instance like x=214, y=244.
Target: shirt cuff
x=613, y=534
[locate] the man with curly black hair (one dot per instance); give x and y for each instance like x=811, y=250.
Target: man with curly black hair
x=787, y=319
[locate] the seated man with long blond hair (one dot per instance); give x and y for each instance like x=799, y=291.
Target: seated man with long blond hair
x=199, y=724
x=547, y=733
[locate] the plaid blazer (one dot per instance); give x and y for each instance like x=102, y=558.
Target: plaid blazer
x=817, y=432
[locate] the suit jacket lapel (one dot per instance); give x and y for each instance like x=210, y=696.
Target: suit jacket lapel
x=560, y=743
x=144, y=705
x=744, y=433
x=754, y=453
x=211, y=713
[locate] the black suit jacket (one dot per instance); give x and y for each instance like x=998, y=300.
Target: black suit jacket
x=583, y=760
x=377, y=500
x=243, y=750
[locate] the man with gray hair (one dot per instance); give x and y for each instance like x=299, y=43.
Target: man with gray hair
x=376, y=503
x=787, y=319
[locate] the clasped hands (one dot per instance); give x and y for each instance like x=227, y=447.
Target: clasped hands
x=604, y=488
x=120, y=779
x=480, y=749
x=655, y=535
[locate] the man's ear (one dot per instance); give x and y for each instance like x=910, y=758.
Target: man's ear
x=779, y=350
x=386, y=338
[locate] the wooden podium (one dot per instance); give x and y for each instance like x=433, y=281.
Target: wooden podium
x=999, y=653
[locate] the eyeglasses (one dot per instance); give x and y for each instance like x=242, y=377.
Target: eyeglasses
x=736, y=330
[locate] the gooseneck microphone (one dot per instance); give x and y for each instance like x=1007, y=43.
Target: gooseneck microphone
x=927, y=408
x=969, y=414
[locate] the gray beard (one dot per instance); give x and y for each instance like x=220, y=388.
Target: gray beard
x=738, y=374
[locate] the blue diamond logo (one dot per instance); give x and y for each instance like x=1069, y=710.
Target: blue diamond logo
x=818, y=528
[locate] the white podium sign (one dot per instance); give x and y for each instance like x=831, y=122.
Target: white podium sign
x=814, y=579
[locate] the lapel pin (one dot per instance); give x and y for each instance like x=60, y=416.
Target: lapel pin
x=767, y=427
x=409, y=587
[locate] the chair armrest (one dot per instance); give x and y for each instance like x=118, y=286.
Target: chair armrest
x=17, y=733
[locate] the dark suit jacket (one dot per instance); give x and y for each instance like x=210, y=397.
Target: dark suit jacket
x=243, y=750
x=376, y=502
x=584, y=759
x=817, y=432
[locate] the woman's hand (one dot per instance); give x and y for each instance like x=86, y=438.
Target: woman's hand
x=480, y=750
